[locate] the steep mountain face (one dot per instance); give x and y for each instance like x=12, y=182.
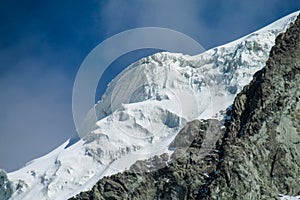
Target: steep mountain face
x=142, y=112
x=257, y=155
x=261, y=147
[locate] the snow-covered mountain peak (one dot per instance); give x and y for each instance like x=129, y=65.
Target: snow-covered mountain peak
x=143, y=109
x=146, y=78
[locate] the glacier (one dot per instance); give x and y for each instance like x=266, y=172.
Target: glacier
x=143, y=109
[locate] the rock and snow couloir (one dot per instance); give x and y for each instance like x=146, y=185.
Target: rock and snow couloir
x=143, y=109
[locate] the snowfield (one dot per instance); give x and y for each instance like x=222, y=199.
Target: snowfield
x=143, y=109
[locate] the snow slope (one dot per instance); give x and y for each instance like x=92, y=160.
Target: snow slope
x=143, y=109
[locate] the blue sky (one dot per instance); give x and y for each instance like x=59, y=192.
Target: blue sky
x=42, y=44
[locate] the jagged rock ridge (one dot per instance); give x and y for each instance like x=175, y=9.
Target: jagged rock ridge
x=261, y=146
x=258, y=156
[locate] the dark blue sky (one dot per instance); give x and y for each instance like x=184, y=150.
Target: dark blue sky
x=42, y=44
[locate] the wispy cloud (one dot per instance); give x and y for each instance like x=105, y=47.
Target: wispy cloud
x=209, y=22
x=41, y=48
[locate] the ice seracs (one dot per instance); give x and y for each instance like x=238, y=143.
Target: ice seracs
x=142, y=111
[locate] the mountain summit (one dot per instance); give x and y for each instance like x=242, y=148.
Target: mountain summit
x=142, y=112
x=257, y=155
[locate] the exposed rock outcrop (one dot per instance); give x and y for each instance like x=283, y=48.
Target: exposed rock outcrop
x=261, y=148
x=6, y=188
x=256, y=157
x=181, y=179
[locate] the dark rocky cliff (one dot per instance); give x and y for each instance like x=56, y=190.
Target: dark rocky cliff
x=262, y=143
x=257, y=155
x=6, y=187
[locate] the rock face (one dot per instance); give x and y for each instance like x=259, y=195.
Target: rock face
x=181, y=179
x=261, y=146
x=6, y=188
x=257, y=155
